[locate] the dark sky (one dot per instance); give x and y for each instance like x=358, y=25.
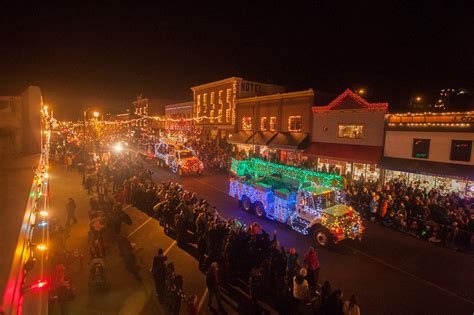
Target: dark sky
x=105, y=55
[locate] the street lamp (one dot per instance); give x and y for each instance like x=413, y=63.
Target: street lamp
x=96, y=114
x=418, y=98
x=361, y=91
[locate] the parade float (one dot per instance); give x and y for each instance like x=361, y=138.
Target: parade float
x=178, y=158
x=310, y=202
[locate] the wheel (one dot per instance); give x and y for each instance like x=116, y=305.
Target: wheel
x=322, y=237
x=180, y=171
x=259, y=210
x=246, y=203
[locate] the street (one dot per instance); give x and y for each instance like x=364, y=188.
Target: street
x=390, y=272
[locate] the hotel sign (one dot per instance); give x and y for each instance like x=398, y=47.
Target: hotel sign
x=432, y=118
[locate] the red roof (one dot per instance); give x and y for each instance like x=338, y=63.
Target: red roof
x=345, y=152
x=350, y=100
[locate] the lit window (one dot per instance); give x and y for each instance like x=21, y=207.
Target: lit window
x=198, y=103
x=221, y=106
x=247, y=123
x=351, y=131
x=294, y=123
x=204, y=103
x=461, y=150
x=263, y=123
x=228, y=111
x=273, y=123
x=421, y=148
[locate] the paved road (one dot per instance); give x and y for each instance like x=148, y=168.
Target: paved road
x=390, y=272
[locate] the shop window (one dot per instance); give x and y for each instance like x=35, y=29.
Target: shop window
x=294, y=123
x=351, y=131
x=421, y=148
x=273, y=122
x=263, y=123
x=461, y=150
x=247, y=123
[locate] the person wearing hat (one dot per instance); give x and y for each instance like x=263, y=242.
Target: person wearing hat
x=301, y=287
x=291, y=266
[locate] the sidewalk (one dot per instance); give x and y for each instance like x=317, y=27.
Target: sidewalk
x=125, y=294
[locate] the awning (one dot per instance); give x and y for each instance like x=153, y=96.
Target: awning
x=240, y=137
x=289, y=140
x=428, y=167
x=345, y=152
x=262, y=138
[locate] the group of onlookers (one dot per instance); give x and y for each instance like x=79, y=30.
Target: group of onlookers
x=430, y=214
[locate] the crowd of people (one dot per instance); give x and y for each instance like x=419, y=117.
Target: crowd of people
x=445, y=219
x=226, y=249
x=213, y=155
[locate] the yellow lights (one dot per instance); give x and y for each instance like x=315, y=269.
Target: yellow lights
x=41, y=247
x=43, y=213
x=361, y=91
x=46, y=175
x=431, y=124
x=418, y=98
x=118, y=148
x=96, y=114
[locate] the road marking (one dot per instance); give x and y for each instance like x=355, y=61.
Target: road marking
x=201, y=302
x=169, y=248
x=138, y=228
x=410, y=274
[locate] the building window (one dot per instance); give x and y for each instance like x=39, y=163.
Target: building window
x=421, y=148
x=351, y=131
x=263, y=123
x=229, y=102
x=294, y=123
x=221, y=106
x=247, y=123
x=273, y=123
x=198, y=103
x=461, y=150
x=204, y=103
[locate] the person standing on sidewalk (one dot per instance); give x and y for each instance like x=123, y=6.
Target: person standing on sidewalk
x=213, y=285
x=158, y=270
x=71, y=212
x=312, y=265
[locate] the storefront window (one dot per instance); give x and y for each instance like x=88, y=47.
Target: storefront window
x=421, y=148
x=461, y=150
x=247, y=123
x=263, y=123
x=351, y=131
x=273, y=122
x=294, y=123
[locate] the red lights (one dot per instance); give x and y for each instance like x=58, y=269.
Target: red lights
x=38, y=284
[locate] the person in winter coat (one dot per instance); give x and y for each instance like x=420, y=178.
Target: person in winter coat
x=158, y=270
x=351, y=307
x=213, y=283
x=334, y=305
x=291, y=266
x=374, y=206
x=312, y=265
x=71, y=212
x=301, y=287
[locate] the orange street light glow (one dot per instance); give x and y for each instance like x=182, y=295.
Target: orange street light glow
x=41, y=247
x=43, y=213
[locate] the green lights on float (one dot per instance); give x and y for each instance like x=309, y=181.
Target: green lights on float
x=257, y=168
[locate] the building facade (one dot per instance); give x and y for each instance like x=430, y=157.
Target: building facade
x=152, y=110
x=20, y=123
x=179, y=116
x=432, y=150
x=276, y=126
x=214, y=104
x=348, y=137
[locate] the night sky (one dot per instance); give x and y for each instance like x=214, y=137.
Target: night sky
x=103, y=56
